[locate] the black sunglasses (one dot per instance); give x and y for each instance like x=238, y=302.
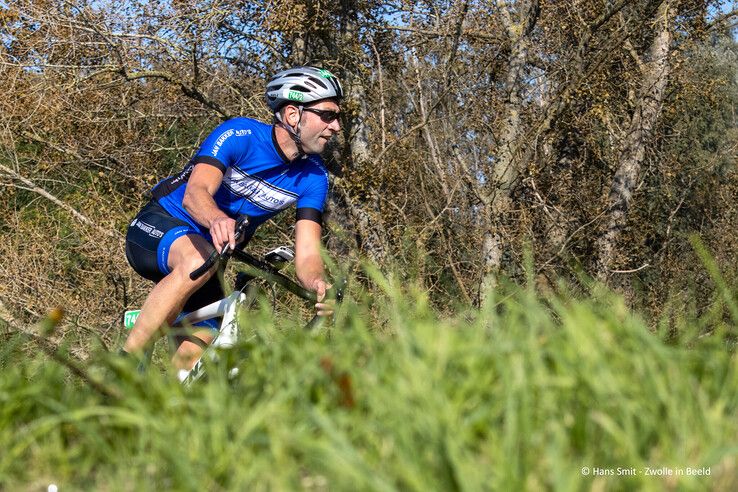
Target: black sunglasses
x=327, y=116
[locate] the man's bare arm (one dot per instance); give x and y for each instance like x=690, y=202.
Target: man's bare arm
x=309, y=264
x=199, y=203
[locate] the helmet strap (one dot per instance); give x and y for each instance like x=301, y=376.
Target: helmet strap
x=294, y=133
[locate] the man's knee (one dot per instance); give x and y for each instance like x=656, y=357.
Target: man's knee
x=188, y=265
x=186, y=255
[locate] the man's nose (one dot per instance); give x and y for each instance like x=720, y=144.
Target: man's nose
x=335, y=125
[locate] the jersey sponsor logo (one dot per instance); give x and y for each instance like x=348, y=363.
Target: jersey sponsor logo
x=257, y=191
x=149, y=229
x=172, y=182
x=226, y=135
x=221, y=140
x=296, y=96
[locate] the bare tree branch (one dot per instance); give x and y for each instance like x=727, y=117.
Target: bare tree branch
x=76, y=214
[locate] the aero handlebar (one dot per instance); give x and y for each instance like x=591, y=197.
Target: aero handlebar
x=225, y=252
x=262, y=269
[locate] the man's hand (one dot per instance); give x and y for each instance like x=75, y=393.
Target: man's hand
x=223, y=231
x=323, y=308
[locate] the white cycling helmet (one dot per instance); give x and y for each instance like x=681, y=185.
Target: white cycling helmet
x=300, y=86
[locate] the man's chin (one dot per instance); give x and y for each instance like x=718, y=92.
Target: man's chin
x=317, y=148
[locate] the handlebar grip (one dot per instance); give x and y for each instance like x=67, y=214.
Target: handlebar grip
x=335, y=292
x=313, y=323
x=241, y=223
x=205, y=266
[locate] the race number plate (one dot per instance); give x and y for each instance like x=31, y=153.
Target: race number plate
x=129, y=318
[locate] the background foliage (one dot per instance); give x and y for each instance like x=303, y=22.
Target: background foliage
x=599, y=134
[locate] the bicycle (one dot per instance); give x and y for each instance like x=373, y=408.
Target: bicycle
x=227, y=308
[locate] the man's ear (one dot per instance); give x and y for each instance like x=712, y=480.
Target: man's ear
x=290, y=114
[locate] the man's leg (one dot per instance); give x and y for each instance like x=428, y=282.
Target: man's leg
x=165, y=301
x=189, y=346
x=189, y=352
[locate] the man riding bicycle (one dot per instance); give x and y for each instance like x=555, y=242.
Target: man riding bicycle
x=243, y=167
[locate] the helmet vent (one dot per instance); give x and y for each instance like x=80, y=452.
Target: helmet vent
x=317, y=81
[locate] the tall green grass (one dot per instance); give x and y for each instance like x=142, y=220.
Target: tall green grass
x=521, y=394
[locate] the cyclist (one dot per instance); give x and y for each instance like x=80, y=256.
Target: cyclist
x=243, y=167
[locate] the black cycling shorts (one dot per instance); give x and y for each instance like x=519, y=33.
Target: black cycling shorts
x=148, y=240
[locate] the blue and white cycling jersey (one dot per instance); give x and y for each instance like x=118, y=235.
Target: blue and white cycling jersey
x=258, y=179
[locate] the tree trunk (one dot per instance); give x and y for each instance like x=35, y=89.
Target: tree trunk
x=633, y=146
x=491, y=252
x=366, y=216
x=506, y=169
x=299, y=50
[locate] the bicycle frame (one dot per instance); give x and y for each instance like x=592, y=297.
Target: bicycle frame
x=227, y=308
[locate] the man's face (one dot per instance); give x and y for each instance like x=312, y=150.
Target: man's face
x=315, y=132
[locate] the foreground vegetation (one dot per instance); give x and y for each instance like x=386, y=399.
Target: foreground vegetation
x=523, y=393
